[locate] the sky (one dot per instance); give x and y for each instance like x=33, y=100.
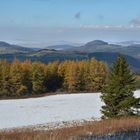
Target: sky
x=46, y=22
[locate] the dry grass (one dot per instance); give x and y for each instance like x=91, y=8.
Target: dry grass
x=90, y=128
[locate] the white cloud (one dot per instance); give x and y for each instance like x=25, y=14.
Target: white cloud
x=93, y=26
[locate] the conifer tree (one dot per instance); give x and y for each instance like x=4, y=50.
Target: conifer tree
x=81, y=76
x=118, y=93
x=38, y=77
x=53, y=81
x=63, y=71
x=26, y=75
x=4, y=78
x=72, y=77
x=16, y=79
x=97, y=75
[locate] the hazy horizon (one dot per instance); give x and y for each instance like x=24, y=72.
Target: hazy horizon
x=50, y=22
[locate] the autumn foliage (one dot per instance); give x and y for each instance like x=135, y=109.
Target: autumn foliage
x=23, y=78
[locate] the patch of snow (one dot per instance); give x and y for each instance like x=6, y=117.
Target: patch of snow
x=50, y=109
x=137, y=94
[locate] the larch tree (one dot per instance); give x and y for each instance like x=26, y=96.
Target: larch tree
x=72, y=76
x=53, y=80
x=4, y=78
x=26, y=75
x=16, y=78
x=63, y=71
x=38, y=77
x=97, y=74
x=81, y=76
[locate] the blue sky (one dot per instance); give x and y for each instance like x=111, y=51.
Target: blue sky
x=51, y=21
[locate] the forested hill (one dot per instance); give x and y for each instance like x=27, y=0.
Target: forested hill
x=6, y=48
x=49, y=56
x=101, y=46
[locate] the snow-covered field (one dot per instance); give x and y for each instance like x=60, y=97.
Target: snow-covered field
x=50, y=109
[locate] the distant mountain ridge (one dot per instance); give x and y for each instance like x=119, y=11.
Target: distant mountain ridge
x=89, y=47
x=96, y=42
x=6, y=48
x=101, y=46
x=99, y=49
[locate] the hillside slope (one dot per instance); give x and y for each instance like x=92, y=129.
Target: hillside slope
x=51, y=110
x=47, y=56
x=6, y=48
x=101, y=46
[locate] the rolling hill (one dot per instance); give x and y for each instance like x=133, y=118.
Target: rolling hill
x=46, y=57
x=101, y=46
x=6, y=48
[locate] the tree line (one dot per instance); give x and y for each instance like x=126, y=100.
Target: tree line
x=25, y=78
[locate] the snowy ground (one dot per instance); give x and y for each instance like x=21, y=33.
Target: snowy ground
x=50, y=109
